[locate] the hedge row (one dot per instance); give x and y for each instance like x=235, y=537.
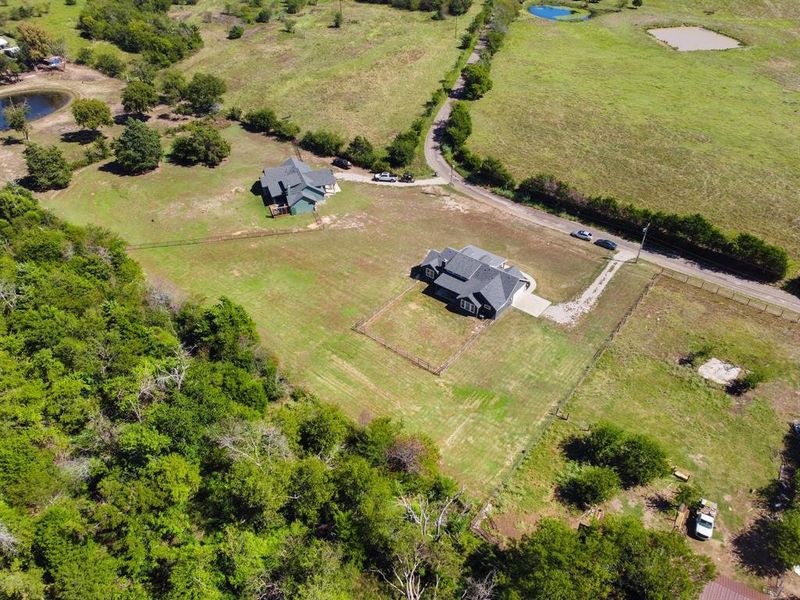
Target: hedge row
x=452, y=7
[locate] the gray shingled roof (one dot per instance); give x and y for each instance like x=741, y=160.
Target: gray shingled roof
x=473, y=271
x=296, y=179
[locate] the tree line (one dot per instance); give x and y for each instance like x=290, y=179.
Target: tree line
x=151, y=448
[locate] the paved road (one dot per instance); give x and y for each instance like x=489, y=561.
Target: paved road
x=442, y=168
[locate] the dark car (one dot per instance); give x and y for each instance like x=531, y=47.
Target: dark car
x=607, y=244
x=407, y=178
x=342, y=163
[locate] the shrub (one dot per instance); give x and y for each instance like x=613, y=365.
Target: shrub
x=360, y=152
x=694, y=232
x=204, y=144
x=97, y=150
x=493, y=173
x=476, y=81
x=234, y=113
x=289, y=24
x=322, y=142
x=786, y=538
x=235, y=32
x=138, y=97
x=85, y=56
x=400, y=152
x=338, y=19
x=172, y=85
x=636, y=458
x=264, y=15
x=204, y=92
x=140, y=27
x=687, y=494
x=47, y=167
x=138, y=148
x=90, y=113
x=110, y=64
x=285, y=130
x=494, y=41
x=263, y=120
x=591, y=485
x=458, y=7
x=459, y=125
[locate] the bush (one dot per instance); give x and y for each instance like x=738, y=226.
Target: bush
x=459, y=125
x=636, y=458
x=688, y=494
x=85, y=56
x=47, y=167
x=285, y=130
x=458, y=7
x=204, y=144
x=97, y=150
x=172, y=85
x=234, y=113
x=110, y=64
x=204, y=92
x=90, y=113
x=264, y=15
x=493, y=173
x=360, y=152
x=338, y=19
x=786, y=538
x=322, y=143
x=138, y=148
x=263, y=120
x=139, y=97
x=590, y=486
x=693, y=233
x=477, y=81
x=494, y=41
x=289, y=24
x=140, y=27
x=235, y=32
x=401, y=151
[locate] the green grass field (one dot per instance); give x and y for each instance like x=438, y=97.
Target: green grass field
x=371, y=77
x=60, y=21
x=604, y=106
x=729, y=445
x=423, y=326
x=306, y=291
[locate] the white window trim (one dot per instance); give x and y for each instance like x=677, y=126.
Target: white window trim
x=468, y=306
x=429, y=272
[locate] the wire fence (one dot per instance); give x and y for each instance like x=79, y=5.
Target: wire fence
x=361, y=325
x=761, y=305
x=320, y=226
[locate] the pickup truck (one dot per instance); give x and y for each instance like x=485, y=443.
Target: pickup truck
x=385, y=177
x=705, y=519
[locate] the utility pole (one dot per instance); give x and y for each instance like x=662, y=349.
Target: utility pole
x=644, y=237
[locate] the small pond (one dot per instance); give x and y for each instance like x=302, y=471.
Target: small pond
x=39, y=103
x=558, y=13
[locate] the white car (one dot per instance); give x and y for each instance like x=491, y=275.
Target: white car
x=706, y=517
x=582, y=234
x=385, y=177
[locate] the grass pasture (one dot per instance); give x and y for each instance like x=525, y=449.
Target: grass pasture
x=371, y=77
x=603, y=105
x=306, y=291
x=423, y=326
x=729, y=445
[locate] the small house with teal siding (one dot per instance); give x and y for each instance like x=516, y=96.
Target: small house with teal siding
x=294, y=188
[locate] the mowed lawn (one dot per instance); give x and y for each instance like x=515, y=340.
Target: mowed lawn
x=371, y=77
x=601, y=104
x=729, y=445
x=423, y=326
x=306, y=291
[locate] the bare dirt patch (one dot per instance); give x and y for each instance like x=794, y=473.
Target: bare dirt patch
x=690, y=39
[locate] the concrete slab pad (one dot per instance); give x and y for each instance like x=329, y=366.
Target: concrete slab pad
x=530, y=303
x=719, y=372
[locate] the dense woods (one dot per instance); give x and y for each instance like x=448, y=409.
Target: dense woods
x=150, y=448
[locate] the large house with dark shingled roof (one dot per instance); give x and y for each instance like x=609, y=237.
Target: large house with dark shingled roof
x=293, y=188
x=471, y=280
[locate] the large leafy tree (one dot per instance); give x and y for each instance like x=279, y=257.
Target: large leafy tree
x=47, y=167
x=202, y=145
x=16, y=116
x=91, y=113
x=203, y=92
x=138, y=97
x=138, y=148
